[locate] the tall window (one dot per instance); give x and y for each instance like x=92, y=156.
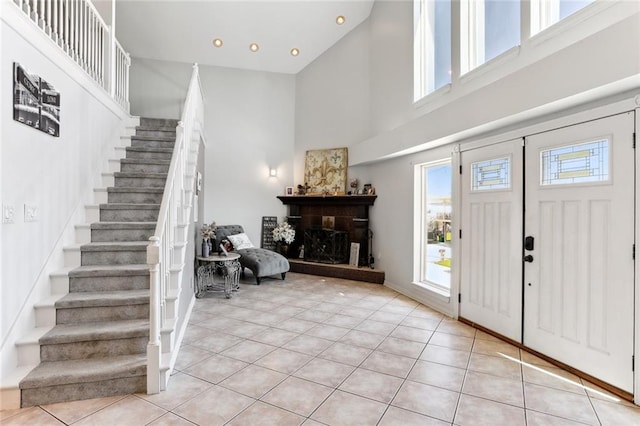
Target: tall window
x=435, y=232
x=431, y=45
x=545, y=13
x=488, y=28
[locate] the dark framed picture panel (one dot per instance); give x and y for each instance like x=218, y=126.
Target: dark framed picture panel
x=268, y=224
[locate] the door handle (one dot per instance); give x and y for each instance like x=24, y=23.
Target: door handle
x=528, y=258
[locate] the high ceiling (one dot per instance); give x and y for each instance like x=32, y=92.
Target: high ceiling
x=184, y=31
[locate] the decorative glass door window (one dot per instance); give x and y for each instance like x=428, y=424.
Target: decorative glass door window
x=491, y=174
x=578, y=163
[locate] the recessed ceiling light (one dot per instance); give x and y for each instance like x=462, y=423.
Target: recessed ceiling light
x=340, y=20
x=254, y=47
x=217, y=42
x=295, y=51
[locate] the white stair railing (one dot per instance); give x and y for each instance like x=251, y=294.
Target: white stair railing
x=121, y=76
x=167, y=248
x=77, y=28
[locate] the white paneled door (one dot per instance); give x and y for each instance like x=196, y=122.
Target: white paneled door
x=579, y=267
x=491, y=218
x=547, y=247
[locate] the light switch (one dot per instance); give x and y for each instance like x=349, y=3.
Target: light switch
x=30, y=213
x=8, y=213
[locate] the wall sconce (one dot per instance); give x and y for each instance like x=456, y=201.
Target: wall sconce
x=273, y=172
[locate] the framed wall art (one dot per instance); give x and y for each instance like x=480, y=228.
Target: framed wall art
x=36, y=103
x=325, y=171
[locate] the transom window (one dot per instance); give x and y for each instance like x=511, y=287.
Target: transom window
x=487, y=29
x=431, y=45
x=545, y=13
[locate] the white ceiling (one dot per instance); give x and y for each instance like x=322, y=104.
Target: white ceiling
x=183, y=31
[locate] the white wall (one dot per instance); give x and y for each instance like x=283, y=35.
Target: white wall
x=249, y=127
x=332, y=98
x=577, y=70
x=56, y=175
x=517, y=84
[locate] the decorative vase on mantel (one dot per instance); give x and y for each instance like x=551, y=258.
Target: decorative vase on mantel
x=283, y=248
x=205, y=248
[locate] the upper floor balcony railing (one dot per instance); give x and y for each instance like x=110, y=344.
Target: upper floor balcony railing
x=78, y=29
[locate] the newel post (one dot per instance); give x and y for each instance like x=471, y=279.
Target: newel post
x=153, y=347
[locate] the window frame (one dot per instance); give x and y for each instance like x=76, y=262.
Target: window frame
x=424, y=49
x=421, y=225
x=577, y=26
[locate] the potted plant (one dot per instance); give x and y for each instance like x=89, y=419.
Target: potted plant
x=208, y=233
x=283, y=235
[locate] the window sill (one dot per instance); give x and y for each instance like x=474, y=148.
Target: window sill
x=490, y=65
x=572, y=23
x=440, y=293
x=433, y=96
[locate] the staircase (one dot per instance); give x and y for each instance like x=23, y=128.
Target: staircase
x=98, y=345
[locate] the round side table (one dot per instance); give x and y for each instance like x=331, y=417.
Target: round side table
x=228, y=266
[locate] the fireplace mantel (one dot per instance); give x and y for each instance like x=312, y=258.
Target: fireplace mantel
x=328, y=200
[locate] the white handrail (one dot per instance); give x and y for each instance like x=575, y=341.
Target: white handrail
x=167, y=249
x=79, y=30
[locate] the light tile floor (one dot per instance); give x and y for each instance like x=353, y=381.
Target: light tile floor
x=313, y=350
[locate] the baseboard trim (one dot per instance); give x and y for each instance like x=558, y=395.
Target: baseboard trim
x=606, y=386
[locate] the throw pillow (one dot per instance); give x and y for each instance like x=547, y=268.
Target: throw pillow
x=240, y=241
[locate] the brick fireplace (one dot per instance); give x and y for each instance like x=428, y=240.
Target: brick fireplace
x=350, y=215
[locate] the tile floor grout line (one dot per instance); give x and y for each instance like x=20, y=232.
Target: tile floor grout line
x=466, y=372
x=238, y=313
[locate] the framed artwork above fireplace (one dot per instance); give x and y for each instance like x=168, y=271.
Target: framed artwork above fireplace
x=325, y=171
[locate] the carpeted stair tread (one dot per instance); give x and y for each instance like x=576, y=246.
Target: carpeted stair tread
x=115, y=246
x=85, y=370
x=167, y=139
x=156, y=128
x=147, y=149
x=134, y=189
x=104, y=330
x=159, y=122
x=144, y=161
x=140, y=175
x=129, y=206
x=103, y=298
x=123, y=225
x=109, y=270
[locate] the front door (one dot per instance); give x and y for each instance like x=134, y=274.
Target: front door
x=579, y=247
x=491, y=273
